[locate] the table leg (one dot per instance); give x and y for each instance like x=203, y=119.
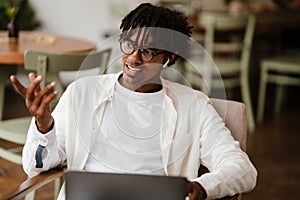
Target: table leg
x=5, y=72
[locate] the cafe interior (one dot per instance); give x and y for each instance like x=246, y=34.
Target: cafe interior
x=265, y=73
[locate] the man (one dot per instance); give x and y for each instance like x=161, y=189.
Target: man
x=136, y=121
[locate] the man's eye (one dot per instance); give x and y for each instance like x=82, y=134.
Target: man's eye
x=129, y=44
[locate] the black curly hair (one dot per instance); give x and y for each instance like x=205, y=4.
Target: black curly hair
x=169, y=28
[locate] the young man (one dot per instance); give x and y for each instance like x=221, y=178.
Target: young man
x=136, y=121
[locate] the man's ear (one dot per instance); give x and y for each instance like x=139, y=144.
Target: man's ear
x=171, y=58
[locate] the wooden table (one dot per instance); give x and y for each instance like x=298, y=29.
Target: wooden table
x=12, y=52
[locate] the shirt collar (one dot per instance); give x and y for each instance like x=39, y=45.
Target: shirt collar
x=105, y=88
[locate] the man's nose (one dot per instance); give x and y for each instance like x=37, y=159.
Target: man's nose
x=135, y=56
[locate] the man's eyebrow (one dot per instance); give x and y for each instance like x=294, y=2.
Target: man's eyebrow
x=150, y=45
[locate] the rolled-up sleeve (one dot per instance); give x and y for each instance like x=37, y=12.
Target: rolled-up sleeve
x=40, y=151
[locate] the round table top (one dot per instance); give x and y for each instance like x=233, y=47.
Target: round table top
x=12, y=52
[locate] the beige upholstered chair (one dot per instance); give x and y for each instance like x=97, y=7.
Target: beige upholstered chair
x=235, y=117
x=282, y=71
x=228, y=41
x=48, y=65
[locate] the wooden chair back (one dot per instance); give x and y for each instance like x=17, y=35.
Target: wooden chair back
x=49, y=65
x=228, y=41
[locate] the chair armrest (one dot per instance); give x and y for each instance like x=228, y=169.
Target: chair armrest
x=34, y=183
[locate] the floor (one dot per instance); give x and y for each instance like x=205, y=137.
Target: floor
x=274, y=149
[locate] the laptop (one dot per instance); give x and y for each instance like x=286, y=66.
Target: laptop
x=82, y=185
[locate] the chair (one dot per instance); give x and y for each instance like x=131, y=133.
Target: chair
x=51, y=65
x=235, y=117
x=228, y=41
x=175, y=3
x=282, y=71
x=48, y=65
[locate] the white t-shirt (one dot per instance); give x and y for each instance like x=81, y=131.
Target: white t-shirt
x=129, y=139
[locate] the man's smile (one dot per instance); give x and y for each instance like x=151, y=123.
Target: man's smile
x=134, y=69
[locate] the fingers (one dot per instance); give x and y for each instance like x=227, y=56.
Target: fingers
x=32, y=78
x=45, y=96
x=39, y=103
x=37, y=100
x=23, y=91
x=34, y=87
x=189, y=187
x=46, y=102
x=44, y=107
x=191, y=192
x=18, y=86
x=195, y=191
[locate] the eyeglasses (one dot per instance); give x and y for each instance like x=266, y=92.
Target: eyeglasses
x=146, y=55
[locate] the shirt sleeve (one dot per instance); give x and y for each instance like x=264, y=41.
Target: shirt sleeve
x=231, y=170
x=40, y=152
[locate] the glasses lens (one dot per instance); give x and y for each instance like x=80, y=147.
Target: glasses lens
x=147, y=55
x=127, y=47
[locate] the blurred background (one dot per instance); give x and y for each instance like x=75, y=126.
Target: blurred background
x=273, y=145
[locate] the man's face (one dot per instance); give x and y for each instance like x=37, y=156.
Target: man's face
x=139, y=75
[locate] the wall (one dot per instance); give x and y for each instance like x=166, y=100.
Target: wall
x=89, y=19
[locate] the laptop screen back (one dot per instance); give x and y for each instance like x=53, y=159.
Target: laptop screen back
x=110, y=186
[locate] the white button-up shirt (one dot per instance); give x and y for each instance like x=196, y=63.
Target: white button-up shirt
x=192, y=134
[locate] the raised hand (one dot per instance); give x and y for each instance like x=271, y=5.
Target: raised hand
x=37, y=100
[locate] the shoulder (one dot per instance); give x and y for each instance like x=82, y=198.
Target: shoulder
x=93, y=81
x=183, y=92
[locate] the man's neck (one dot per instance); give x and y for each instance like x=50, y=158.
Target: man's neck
x=143, y=88
x=149, y=88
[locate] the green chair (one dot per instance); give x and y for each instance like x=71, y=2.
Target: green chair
x=228, y=41
x=48, y=65
x=282, y=71
x=176, y=3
